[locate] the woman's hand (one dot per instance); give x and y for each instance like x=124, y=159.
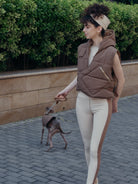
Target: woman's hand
x=115, y=105
x=61, y=96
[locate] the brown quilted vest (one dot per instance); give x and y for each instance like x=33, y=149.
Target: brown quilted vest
x=96, y=80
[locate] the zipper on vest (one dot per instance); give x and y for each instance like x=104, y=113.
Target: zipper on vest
x=104, y=73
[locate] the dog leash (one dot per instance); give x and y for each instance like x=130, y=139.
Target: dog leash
x=52, y=107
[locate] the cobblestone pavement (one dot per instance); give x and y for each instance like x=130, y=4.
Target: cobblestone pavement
x=23, y=160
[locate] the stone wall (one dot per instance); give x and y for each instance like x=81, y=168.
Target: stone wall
x=131, y=79
x=26, y=94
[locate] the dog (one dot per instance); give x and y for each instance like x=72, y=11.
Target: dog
x=53, y=126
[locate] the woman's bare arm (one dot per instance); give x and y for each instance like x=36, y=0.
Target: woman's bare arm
x=66, y=90
x=121, y=80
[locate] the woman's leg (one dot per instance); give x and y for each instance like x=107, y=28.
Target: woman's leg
x=85, y=118
x=102, y=110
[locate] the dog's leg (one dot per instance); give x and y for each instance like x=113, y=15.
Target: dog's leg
x=51, y=133
x=48, y=138
x=64, y=140
x=42, y=135
x=50, y=141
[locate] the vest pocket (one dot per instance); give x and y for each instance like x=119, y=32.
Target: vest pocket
x=106, y=76
x=92, y=83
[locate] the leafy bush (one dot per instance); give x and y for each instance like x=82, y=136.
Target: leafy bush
x=17, y=22
x=58, y=31
x=127, y=1
x=124, y=19
x=130, y=2
x=43, y=33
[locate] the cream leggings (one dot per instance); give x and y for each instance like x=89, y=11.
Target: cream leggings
x=93, y=116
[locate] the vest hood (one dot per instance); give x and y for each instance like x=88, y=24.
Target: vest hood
x=108, y=40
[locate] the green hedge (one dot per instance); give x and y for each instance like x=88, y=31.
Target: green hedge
x=58, y=32
x=124, y=20
x=43, y=33
x=17, y=23
x=127, y=1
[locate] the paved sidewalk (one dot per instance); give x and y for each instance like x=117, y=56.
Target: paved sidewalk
x=24, y=161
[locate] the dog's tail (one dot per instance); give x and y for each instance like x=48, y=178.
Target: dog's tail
x=64, y=132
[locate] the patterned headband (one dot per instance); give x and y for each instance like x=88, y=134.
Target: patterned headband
x=102, y=21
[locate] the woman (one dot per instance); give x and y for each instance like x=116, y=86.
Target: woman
x=98, y=70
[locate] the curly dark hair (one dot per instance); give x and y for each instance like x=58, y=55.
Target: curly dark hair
x=96, y=10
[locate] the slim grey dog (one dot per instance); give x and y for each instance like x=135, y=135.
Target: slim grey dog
x=53, y=126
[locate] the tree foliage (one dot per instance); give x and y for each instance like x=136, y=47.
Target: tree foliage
x=43, y=33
